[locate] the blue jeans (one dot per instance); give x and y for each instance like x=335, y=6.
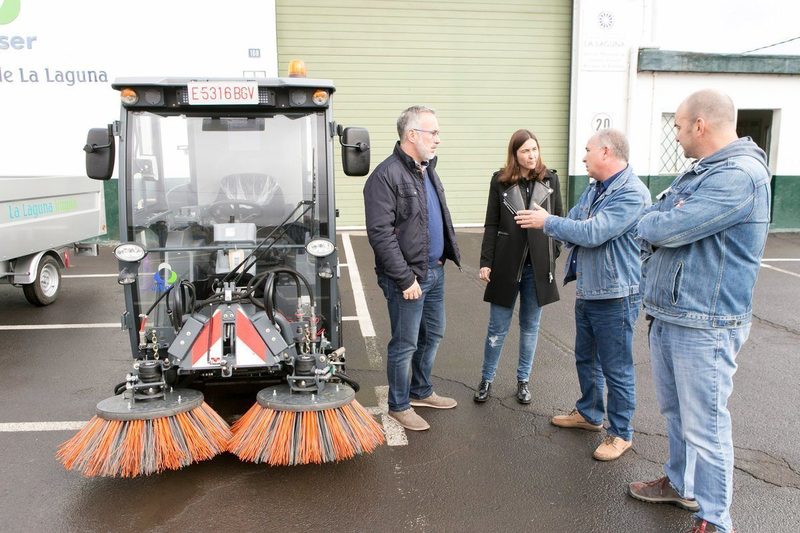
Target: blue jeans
x=693, y=373
x=604, y=356
x=417, y=330
x=499, y=322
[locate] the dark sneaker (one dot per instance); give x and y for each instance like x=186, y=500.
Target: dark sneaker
x=703, y=526
x=435, y=401
x=574, y=420
x=661, y=491
x=482, y=394
x=410, y=420
x=523, y=393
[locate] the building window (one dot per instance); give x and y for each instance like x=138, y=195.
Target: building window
x=672, y=159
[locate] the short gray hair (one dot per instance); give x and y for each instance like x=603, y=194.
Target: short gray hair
x=410, y=118
x=616, y=141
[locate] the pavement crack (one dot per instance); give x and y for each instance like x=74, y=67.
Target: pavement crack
x=766, y=467
x=775, y=325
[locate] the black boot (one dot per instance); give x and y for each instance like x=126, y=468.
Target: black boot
x=482, y=394
x=523, y=394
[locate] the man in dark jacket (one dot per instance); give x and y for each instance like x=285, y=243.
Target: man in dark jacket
x=411, y=233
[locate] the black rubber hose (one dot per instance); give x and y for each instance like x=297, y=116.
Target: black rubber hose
x=347, y=379
x=268, y=303
x=161, y=297
x=285, y=327
x=119, y=388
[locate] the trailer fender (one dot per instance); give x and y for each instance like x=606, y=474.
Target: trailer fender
x=25, y=268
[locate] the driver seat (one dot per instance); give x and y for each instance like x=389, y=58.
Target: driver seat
x=250, y=187
x=256, y=189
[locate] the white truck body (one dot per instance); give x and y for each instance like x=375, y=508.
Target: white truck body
x=56, y=74
x=47, y=212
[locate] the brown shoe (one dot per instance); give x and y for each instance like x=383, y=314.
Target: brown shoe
x=611, y=448
x=435, y=401
x=661, y=491
x=410, y=420
x=574, y=420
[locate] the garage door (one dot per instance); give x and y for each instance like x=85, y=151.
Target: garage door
x=487, y=68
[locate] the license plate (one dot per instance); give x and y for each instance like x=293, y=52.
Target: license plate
x=222, y=92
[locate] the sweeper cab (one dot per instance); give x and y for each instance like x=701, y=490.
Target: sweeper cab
x=229, y=268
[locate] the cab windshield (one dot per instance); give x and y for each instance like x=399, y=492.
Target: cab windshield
x=204, y=190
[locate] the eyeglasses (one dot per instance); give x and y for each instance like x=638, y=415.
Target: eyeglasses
x=434, y=133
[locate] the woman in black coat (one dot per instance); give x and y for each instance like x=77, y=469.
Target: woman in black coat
x=517, y=261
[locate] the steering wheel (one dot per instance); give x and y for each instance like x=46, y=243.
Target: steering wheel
x=222, y=211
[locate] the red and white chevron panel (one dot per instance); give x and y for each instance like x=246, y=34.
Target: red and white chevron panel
x=207, y=348
x=250, y=347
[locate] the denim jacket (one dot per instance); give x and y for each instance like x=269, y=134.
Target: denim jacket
x=608, y=257
x=703, y=240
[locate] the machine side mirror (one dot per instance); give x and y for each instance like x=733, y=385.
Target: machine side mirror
x=355, y=150
x=100, y=153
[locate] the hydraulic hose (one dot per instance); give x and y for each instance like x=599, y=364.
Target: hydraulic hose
x=347, y=379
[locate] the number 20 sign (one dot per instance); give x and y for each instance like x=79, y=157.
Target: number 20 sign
x=601, y=121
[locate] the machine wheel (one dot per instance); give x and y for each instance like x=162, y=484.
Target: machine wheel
x=44, y=289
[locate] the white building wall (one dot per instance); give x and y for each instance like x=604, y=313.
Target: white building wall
x=608, y=91
x=658, y=93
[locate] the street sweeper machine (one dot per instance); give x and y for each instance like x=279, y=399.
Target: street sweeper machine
x=229, y=269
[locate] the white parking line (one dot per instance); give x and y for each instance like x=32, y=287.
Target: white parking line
x=395, y=434
x=18, y=427
x=362, y=311
x=364, y=320
x=779, y=259
x=795, y=274
x=63, y=326
x=90, y=275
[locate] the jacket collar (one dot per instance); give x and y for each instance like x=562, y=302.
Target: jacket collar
x=408, y=161
x=620, y=180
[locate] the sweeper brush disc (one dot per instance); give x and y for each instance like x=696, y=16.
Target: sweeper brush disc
x=128, y=439
x=285, y=428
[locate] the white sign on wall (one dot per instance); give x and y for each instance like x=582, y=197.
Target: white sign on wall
x=602, y=121
x=58, y=59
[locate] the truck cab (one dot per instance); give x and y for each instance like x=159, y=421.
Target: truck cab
x=228, y=220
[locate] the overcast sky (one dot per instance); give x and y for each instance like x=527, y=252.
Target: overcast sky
x=727, y=26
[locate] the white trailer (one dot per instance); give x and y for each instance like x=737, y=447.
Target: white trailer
x=41, y=218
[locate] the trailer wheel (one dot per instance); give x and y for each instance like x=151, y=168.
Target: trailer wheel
x=44, y=290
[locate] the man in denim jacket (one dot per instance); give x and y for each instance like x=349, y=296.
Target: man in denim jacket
x=604, y=261
x=702, y=243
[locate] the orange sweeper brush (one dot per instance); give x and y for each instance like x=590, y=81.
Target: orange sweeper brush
x=286, y=427
x=131, y=437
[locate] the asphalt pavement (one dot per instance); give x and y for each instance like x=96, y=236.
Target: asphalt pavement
x=498, y=466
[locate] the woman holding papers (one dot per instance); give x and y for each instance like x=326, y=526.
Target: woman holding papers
x=516, y=261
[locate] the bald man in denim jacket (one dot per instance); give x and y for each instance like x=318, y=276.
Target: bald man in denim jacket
x=702, y=243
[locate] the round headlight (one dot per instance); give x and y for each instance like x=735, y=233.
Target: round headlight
x=130, y=252
x=128, y=96
x=298, y=97
x=320, y=247
x=320, y=97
